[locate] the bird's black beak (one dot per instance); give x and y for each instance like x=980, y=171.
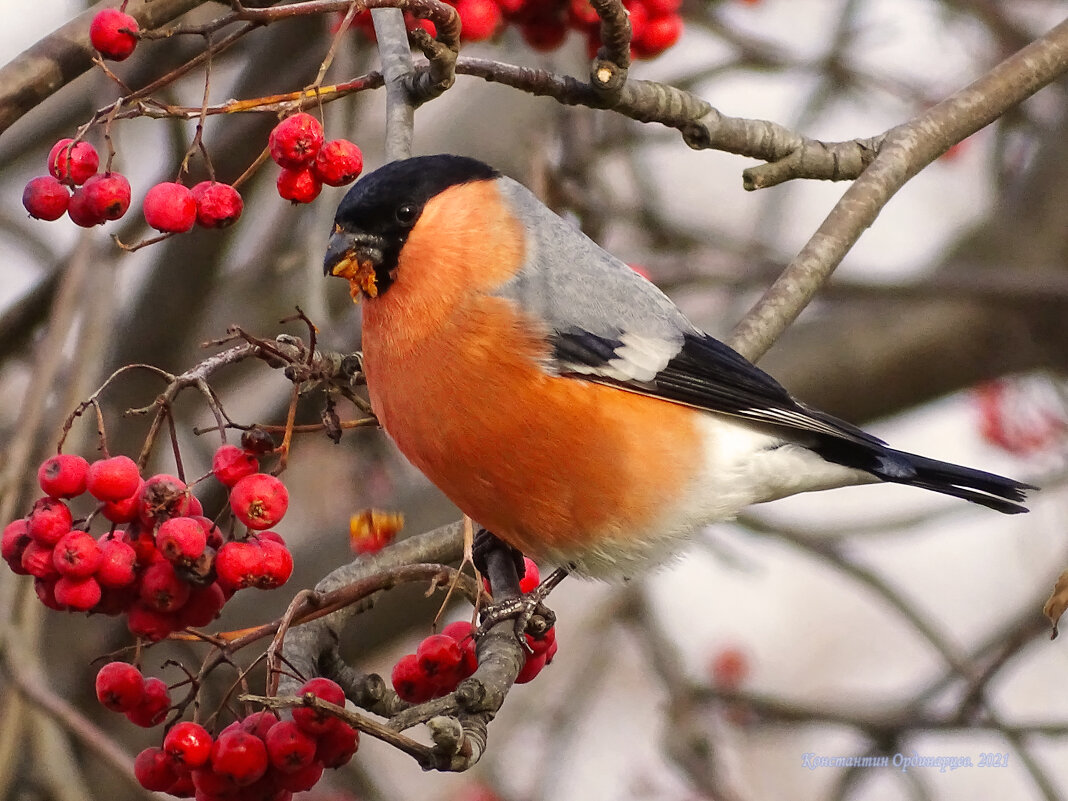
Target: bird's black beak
x=356, y=257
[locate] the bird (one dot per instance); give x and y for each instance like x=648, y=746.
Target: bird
x=561, y=400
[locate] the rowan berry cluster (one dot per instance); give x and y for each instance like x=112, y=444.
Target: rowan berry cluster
x=308, y=161
x=259, y=757
x=161, y=562
x=443, y=660
x=544, y=24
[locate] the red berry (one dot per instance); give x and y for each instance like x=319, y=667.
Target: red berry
x=230, y=464
x=582, y=15
x=303, y=779
x=119, y=686
x=118, y=560
x=295, y=141
x=77, y=555
x=80, y=594
x=258, y=723
x=114, y=479
x=111, y=33
x=237, y=565
x=170, y=207
x=218, y=205
x=46, y=593
x=410, y=682
x=181, y=539
x=657, y=35
x=542, y=645
x=531, y=577
x=83, y=213
x=188, y=743
x=107, y=196
x=259, y=501
x=63, y=475
x=49, y=520
x=155, y=769
x=203, y=606
x=463, y=632
x=299, y=185
x=337, y=745
x=183, y=786
x=531, y=668
x=45, y=198
x=75, y=164
x=13, y=544
x=210, y=786
x=660, y=8
x=240, y=757
x=151, y=624
x=440, y=660
x=37, y=561
x=480, y=19
x=126, y=510
x=164, y=497
x=543, y=34
x=152, y=708
x=339, y=162
x=277, y=564
x=312, y=720
x=289, y=747
x=162, y=589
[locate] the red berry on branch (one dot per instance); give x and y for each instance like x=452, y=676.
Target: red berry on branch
x=295, y=141
x=188, y=743
x=107, y=196
x=49, y=520
x=37, y=561
x=163, y=497
x=111, y=33
x=479, y=19
x=155, y=769
x=303, y=779
x=152, y=708
x=45, y=198
x=237, y=565
x=46, y=593
x=114, y=479
x=410, y=682
x=531, y=577
x=181, y=539
x=119, y=686
x=658, y=34
x=211, y=786
x=169, y=207
x=314, y=721
x=162, y=589
x=151, y=624
x=80, y=594
x=660, y=8
x=63, y=475
x=239, y=757
x=299, y=185
x=13, y=544
x=258, y=723
x=289, y=747
x=582, y=15
x=126, y=510
x=440, y=659
x=81, y=212
x=277, y=564
x=203, y=606
x=77, y=555
x=230, y=464
x=75, y=164
x=118, y=562
x=337, y=745
x=339, y=162
x=531, y=668
x=259, y=501
x=218, y=205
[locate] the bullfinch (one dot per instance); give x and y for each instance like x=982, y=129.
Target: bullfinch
x=561, y=400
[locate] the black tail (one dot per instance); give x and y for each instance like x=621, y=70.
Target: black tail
x=898, y=467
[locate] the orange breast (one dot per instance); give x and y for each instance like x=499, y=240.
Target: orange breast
x=549, y=464
x=544, y=462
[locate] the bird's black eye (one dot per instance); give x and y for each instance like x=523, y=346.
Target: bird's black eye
x=406, y=214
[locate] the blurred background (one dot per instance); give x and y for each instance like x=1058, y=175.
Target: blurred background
x=875, y=621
